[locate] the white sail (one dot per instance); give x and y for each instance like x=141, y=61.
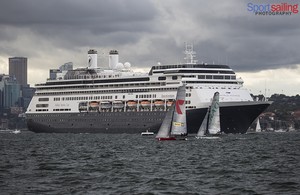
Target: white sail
x=214, y=126
x=258, y=128
x=165, y=128
x=179, y=117
x=203, y=128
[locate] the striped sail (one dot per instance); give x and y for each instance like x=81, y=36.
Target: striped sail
x=214, y=126
x=179, y=118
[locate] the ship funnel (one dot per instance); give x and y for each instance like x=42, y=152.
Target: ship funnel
x=92, y=59
x=113, y=59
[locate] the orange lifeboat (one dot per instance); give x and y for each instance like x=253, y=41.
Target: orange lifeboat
x=131, y=104
x=94, y=104
x=159, y=103
x=145, y=103
x=169, y=103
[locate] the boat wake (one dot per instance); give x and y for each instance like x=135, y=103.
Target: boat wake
x=204, y=137
x=10, y=131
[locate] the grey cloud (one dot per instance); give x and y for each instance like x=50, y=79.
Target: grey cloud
x=72, y=21
x=222, y=31
x=249, y=42
x=73, y=12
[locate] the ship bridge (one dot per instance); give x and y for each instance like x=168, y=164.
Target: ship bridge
x=191, y=68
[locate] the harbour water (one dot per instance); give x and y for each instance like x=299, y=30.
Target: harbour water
x=262, y=163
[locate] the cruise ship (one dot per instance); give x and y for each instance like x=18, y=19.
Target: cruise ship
x=119, y=100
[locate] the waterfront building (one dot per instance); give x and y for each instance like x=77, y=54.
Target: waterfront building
x=10, y=91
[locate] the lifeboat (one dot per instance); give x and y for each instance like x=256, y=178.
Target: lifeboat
x=118, y=104
x=82, y=106
x=131, y=104
x=94, y=104
x=159, y=103
x=169, y=103
x=105, y=105
x=145, y=104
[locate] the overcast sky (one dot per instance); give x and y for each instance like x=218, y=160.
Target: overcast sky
x=263, y=50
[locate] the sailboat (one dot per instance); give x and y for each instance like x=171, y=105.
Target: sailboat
x=203, y=128
x=211, y=122
x=174, y=123
x=258, y=128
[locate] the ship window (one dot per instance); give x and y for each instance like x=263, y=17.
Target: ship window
x=201, y=76
x=211, y=82
x=43, y=99
x=41, y=110
x=188, y=95
x=227, y=77
x=188, y=76
x=41, y=105
x=233, y=77
x=161, y=78
x=174, y=77
x=208, y=76
x=218, y=76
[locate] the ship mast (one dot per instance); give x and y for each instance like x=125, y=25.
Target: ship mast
x=190, y=54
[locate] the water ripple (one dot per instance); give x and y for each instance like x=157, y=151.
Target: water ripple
x=266, y=163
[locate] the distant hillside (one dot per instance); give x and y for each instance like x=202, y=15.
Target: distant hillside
x=284, y=108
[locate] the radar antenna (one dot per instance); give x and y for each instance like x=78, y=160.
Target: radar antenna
x=190, y=54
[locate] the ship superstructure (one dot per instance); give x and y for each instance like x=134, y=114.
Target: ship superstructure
x=119, y=100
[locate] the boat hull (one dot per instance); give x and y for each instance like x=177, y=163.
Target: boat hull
x=233, y=118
